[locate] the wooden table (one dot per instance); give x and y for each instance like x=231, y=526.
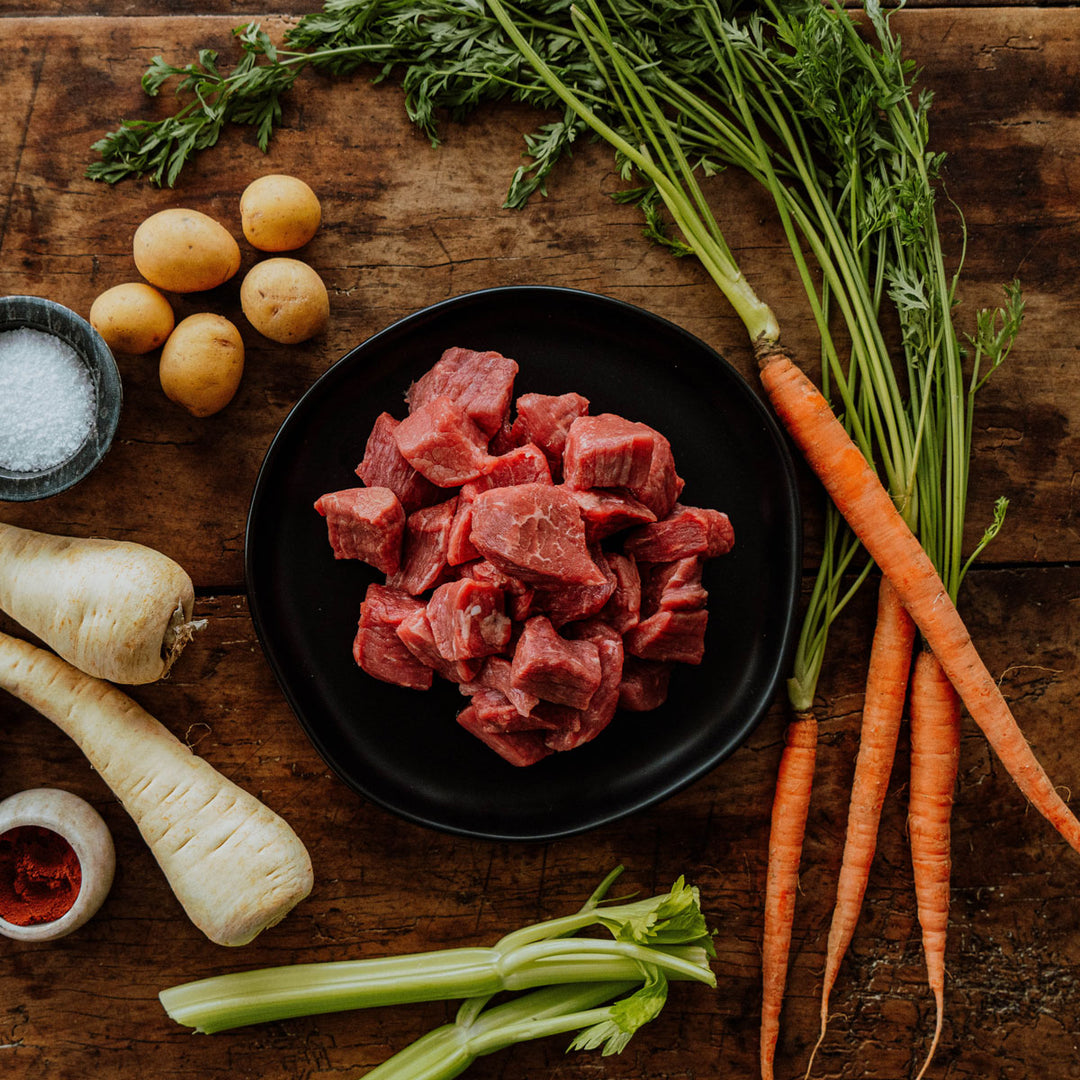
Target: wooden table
x=406, y=225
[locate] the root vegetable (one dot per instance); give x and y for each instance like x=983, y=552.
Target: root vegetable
x=183, y=251
x=133, y=318
x=235, y=866
x=112, y=608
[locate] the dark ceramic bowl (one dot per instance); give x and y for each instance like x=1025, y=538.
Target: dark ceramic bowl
x=402, y=748
x=38, y=313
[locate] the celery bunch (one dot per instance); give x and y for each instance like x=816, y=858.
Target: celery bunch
x=561, y=982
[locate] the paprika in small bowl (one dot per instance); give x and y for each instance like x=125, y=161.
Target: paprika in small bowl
x=56, y=864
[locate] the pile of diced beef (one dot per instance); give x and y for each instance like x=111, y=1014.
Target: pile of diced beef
x=535, y=554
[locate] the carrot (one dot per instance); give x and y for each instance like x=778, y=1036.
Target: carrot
x=234, y=865
x=866, y=506
x=791, y=804
x=935, y=755
x=114, y=609
x=883, y=710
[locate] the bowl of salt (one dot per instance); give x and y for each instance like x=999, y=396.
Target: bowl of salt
x=60, y=398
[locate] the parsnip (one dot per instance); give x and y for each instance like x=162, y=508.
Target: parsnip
x=117, y=610
x=235, y=866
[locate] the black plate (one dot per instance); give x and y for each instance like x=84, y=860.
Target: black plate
x=402, y=748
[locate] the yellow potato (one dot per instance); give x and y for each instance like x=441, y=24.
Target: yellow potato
x=201, y=363
x=279, y=213
x=132, y=318
x=285, y=300
x=185, y=251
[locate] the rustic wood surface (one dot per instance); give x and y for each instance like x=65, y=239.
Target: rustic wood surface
x=406, y=225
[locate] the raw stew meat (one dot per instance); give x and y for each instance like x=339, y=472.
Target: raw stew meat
x=535, y=554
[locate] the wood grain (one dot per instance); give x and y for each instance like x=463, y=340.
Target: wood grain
x=406, y=225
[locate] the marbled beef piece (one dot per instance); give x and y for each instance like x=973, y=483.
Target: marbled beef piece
x=644, y=684
x=378, y=649
x=522, y=465
x=468, y=619
x=544, y=420
x=517, y=747
x=568, y=603
x=534, y=532
x=623, y=609
x=427, y=538
x=553, y=668
x=686, y=531
x=365, y=523
x=608, y=512
x=673, y=586
x=415, y=634
x=518, y=594
x=663, y=486
x=496, y=675
x=677, y=636
x=482, y=383
x=442, y=443
x=383, y=466
x=590, y=721
x=607, y=451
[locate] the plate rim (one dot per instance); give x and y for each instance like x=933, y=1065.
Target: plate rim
x=794, y=544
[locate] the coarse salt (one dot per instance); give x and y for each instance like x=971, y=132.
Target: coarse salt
x=47, y=400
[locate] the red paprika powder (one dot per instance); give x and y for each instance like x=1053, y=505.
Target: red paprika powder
x=40, y=875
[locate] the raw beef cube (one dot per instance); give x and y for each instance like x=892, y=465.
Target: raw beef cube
x=608, y=512
x=517, y=747
x=663, y=485
x=495, y=712
x=686, y=531
x=427, y=538
x=568, y=603
x=601, y=709
x=383, y=466
x=468, y=619
x=677, y=636
x=495, y=675
x=545, y=419
x=442, y=443
x=365, y=523
x=534, y=532
x=673, y=586
x=518, y=594
x=460, y=548
x=623, y=609
x=644, y=685
x=482, y=383
x=553, y=668
x=521, y=465
x=607, y=451
x=378, y=649
x=415, y=634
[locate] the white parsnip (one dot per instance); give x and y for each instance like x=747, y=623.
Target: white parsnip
x=115, y=609
x=235, y=866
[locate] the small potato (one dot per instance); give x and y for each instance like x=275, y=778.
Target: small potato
x=279, y=213
x=185, y=251
x=285, y=300
x=201, y=363
x=133, y=318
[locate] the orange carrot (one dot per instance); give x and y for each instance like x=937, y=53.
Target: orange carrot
x=868, y=510
x=883, y=711
x=935, y=754
x=791, y=803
